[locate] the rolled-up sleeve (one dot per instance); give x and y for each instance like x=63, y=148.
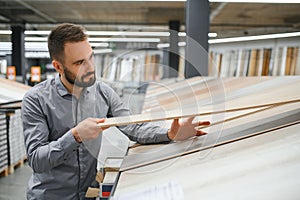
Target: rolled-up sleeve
x=42, y=154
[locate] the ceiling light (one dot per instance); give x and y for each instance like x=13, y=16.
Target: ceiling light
x=257, y=37
x=5, y=32
x=98, y=51
x=102, y=44
x=183, y=34
x=182, y=44
x=37, y=32
x=129, y=33
x=36, y=39
x=165, y=45
x=212, y=34
x=124, y=39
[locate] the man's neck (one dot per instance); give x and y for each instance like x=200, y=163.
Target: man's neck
x=71, y=88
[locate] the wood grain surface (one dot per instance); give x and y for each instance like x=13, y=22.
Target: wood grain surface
x=261, y=167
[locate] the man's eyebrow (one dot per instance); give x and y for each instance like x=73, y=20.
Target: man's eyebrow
x=78, y=61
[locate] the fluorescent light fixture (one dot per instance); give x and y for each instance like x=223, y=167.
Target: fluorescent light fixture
x=124, y=39
x=165, y=45
x=257, y=37
x=102, y=44
x=5, y=32
x=182, y=44
x=44, y=39
x=37, y=32
x=212, y=34
x=99, y=51
x=36, y=39
x=129, y=33
x=183, y=34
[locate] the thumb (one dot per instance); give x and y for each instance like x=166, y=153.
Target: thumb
x=190, y=120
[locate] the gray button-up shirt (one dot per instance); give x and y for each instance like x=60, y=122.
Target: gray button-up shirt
x=63, y=168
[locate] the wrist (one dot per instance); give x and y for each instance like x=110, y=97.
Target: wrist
x=76, y=135
x=170, y=135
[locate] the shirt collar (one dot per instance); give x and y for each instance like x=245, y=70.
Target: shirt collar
x=61, y=89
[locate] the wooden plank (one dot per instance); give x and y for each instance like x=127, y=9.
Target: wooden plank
x=215, y=120
x=289, y=93
x=261, y=167
x=215, y=91
x=169, y=115
x=233, y=130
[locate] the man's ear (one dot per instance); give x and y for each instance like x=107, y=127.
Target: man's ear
x=58, y=67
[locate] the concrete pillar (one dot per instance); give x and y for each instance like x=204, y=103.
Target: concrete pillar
x=174, y=49
x=18, y=50
x=197, y=29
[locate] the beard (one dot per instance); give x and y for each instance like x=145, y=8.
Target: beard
x=79, y=81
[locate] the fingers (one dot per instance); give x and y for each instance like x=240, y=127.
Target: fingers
x=204, y=123
x=101, y=120
x=176, y=121
x=190, y=119
x=200, y=133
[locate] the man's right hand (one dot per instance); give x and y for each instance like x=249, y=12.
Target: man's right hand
x=87, y=129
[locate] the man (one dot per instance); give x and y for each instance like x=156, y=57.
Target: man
x=61, y=114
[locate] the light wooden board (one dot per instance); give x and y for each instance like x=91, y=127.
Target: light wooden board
x=222, y=118
x=283, y=93
x=11, y=90
x=260, y=167
x=222, y=133
x=214, y=91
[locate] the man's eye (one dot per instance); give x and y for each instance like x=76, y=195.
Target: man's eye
x=79, y=62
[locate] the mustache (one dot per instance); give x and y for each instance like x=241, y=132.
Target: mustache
x=88, y=74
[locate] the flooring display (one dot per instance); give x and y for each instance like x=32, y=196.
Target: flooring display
x=253, y=97
x=239, y=128
x=11, y=93
x=251, y=146
x=261, y=167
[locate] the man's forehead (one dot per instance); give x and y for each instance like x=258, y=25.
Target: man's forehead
x=77, y=50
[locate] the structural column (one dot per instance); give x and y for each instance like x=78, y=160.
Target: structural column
x=174, y=49
x=197, y=28
x=18, y=50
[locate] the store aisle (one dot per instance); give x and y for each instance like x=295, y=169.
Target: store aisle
x=13, y=186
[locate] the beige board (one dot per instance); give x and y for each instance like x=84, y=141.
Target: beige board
x=214, y=91
x=243, y=127
x=11, y=90
x=207, y=87
x=282, y=93
x=221, y=118
x=261, y=167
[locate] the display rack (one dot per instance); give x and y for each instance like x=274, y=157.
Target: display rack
x=254, y=134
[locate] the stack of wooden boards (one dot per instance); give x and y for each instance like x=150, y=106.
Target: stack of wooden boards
x=12, y=149
x=238, y=62
x=252, y=146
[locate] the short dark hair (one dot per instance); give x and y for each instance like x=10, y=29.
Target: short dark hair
x=62, y=34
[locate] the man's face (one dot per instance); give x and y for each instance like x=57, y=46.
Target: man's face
x=78, y=64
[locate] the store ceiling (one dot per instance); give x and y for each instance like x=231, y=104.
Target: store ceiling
x=227, y=19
